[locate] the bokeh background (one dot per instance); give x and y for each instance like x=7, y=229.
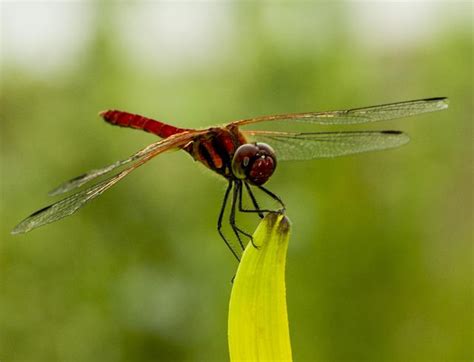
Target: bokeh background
x=380, y=263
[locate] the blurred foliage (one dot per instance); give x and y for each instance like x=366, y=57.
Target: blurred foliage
x=380, y=265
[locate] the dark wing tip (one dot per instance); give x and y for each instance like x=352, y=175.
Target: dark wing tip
x=401, y=137
x=26, y=225
x=437, y=99
x=391, y=132
x=443, y=101
x=68, y=185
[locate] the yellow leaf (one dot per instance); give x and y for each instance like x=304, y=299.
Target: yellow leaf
x=258, y=320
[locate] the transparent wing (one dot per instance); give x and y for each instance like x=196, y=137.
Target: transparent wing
x=358, y=115
x=93, y=174
x=71, y=204
x=88, y=176
x=306, y=146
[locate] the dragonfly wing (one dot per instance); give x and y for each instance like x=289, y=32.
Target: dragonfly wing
x=306, y=146
x=93, y=174
x=71, y=204
x=86, y=177
x=383, y=112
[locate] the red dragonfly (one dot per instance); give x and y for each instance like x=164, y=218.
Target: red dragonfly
x=244, y=158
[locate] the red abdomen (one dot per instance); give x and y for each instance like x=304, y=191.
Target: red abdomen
x=125, y=119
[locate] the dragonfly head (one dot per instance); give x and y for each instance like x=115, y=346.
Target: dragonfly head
x=254, y=162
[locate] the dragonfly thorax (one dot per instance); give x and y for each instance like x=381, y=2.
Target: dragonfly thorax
x=254, y=162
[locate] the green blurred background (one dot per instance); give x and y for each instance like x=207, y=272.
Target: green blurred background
x=380, y=263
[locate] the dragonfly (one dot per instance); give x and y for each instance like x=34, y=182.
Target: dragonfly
x=245, y=158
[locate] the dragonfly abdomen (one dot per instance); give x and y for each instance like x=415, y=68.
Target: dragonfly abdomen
x=125, y=119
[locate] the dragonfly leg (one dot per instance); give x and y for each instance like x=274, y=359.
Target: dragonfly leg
x=273, y=196
x=237, y=231
x=254, y=202
x=221, y=215
x=239, y=191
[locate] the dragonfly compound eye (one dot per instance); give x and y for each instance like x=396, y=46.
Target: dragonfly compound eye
x=254, y=162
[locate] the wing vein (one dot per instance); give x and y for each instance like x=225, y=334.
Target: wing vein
x=74, y=202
